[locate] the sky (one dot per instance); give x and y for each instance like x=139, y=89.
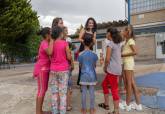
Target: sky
x=76, y=12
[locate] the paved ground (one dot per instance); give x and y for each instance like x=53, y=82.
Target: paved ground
x=18, y=91
x=153, y=80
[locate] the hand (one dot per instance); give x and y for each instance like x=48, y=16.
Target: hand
x=34, y=77
x=105, y=69
x=36, y=58
x=81, y=40
x=72, y=67
x=122, y=55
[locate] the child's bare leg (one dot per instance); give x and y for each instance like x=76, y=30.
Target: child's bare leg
x=135, y=90
x=128, y=76
x=39, y=103
x=69, y=97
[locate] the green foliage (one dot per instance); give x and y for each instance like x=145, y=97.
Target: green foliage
x=33, y=45
x=79, y=29
x=18, y=22
x=105, y=25
x=74, y=36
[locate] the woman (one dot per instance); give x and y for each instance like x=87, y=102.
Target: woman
x=88, y=31
x=57, y=22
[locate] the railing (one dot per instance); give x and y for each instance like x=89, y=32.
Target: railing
x=5, y=63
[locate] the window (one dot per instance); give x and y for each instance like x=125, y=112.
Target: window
x=146, y=5
x=163, y=46
x=141, y=16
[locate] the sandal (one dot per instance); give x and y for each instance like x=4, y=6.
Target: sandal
x=69, y=108
x=113, y=112
x=102, y=105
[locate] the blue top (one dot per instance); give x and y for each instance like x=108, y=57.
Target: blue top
x=87, y=60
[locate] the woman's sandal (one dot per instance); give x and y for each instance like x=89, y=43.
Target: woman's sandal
x=102, y=105
x=69, y=108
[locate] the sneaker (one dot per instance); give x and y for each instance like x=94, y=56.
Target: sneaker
x=133, y=105
x=128, y=108
x=122, y=105
x=138, y=107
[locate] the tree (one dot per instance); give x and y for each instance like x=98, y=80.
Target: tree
x=112, y=24
x=18, y=23
x=79, y=29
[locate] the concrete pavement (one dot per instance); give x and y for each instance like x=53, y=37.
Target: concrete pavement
x=18, y=91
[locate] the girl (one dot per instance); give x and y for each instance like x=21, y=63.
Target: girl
x=87, y=60
x=69, y=92
x=88, y=31
x=113, y=70
x=41, y=69
x=60, y=55
x=57, y=22
x=128, y=53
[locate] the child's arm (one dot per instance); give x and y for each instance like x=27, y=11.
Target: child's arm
x=94, y=38
x=49, y=51
x=72, y=64
x=68, y=53
x=81, y=35
x=134, y=51
x=107, y=59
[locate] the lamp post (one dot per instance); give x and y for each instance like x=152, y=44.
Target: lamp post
x=129, y=13
x=127, y=10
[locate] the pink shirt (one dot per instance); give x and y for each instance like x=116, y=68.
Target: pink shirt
x=59, y=60
x=43, y=61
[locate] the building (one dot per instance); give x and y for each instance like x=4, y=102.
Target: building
x=148, y=19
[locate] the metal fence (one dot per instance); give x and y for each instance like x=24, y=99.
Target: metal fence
x=5, y=62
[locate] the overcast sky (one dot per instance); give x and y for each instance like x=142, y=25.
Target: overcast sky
x=76, y=12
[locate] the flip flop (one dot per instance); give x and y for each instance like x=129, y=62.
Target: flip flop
x=102, y=105
x=69, y=108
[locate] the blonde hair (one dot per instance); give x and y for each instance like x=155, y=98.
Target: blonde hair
x=129, y=28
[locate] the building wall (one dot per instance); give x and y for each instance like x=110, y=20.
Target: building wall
x=148, y=17
x=146, y=47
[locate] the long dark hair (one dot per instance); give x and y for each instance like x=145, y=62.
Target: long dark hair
x=56, y=21
x=56, y=32
x=44, y=31
x=116, y=37
x=95, y=24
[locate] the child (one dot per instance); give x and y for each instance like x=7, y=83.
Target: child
x=113, y=70
x=69, y=92
x=59, y=69
x=128, y=53
x=105, y=82
x=41, y=69
x=87, y=60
